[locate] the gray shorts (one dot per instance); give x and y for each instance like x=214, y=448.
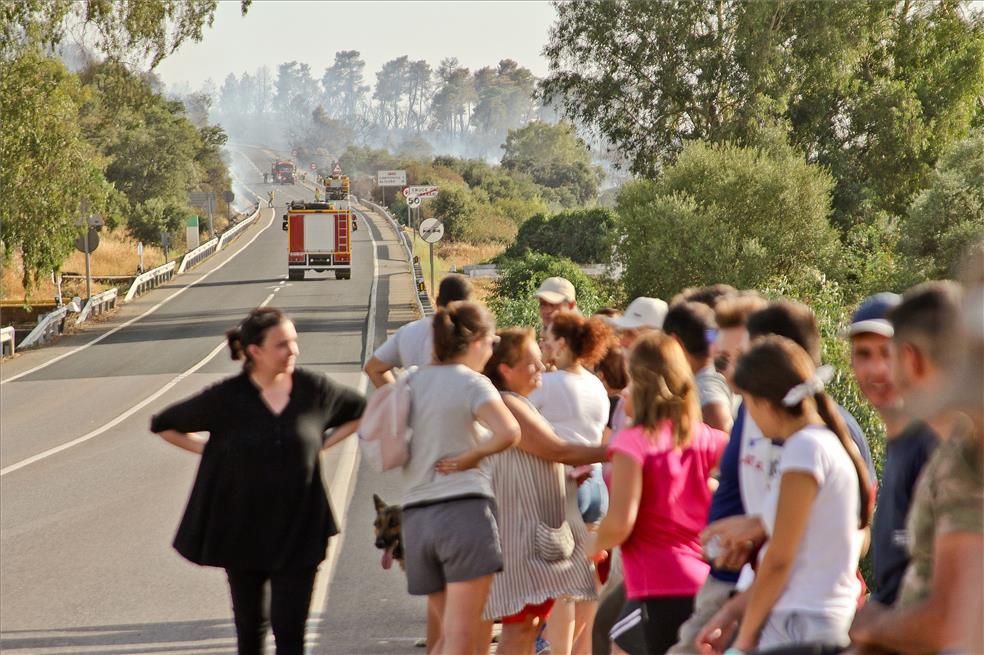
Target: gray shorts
x=451, y=541
x=786, y=628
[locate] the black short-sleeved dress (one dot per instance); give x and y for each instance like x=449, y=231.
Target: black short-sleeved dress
x=258, y=502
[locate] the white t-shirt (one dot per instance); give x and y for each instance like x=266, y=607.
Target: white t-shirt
x=444, y=399
x=575, y=404
x=757, y=466
x=411, y=345
x=823, y=578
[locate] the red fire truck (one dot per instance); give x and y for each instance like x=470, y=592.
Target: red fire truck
x=319, y=234
x=282, y=172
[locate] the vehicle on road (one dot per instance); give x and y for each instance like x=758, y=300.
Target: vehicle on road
x=319, y=234
x=282, y=172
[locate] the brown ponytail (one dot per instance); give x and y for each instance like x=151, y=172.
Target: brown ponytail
x=457, y=325
x=588, y=338
x=252, y=331
x=769, y=369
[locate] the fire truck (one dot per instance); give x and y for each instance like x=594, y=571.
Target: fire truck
x=319, y=234
x=282, y=172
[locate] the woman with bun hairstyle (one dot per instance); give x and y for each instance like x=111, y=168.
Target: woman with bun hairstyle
x=541, y=529
x=660, y=495
x=258, y=508
x=450, y=534
x=805, y=589
x=575, y=403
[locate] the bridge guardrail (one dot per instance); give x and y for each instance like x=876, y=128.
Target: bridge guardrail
x=97, y=304
x=7, y=336
x=152, y=278
x=194, y=257
x=423, y=300
x=49, y=325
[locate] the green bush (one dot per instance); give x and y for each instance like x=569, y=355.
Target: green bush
x=513, y=301
x=582, y=235
x=724, y=213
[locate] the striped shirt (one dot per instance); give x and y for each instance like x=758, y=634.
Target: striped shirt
x=529, y=490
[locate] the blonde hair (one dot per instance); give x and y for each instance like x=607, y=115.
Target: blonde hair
x=663, y=386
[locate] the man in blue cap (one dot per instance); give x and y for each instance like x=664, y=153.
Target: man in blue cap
x=908, y=447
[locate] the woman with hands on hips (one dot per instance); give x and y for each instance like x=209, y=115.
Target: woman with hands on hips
x=258, y=507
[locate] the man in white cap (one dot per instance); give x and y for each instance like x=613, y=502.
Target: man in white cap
x=556, y=294
x=642, y=315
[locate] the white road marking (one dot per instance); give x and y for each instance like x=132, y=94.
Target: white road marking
x=125, y=415
x=342, y=484
x=144, y=315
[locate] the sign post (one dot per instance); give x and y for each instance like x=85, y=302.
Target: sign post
x=87, y=243
x=431, y=231
x=140, y=250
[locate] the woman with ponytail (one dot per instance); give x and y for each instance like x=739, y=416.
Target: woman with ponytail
x=258, y=508
x=450, y=534
x=660, y=496
x=805, y=589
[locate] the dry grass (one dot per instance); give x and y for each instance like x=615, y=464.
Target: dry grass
x=460, y=254
x=116, y=255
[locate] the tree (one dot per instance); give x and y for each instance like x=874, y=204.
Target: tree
x=297, y=92
x=343, y=84
x=724, y=213
x=504, y=98
x=555, y=158
x=391, y=85
x=874, y=91
x=949, y=215
x=455, y=207
x=581, y=235
x=125, y=30
x=49, y=170
x=452, y=101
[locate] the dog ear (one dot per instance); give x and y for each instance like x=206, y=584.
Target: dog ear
x=380, y=505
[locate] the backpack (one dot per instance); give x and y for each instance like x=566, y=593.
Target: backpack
x=384, y=431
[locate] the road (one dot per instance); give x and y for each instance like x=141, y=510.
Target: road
x=89, y=499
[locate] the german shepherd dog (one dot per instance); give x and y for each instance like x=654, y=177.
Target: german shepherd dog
x=389, y=532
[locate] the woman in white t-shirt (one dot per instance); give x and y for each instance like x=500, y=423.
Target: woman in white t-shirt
x=805, y=589
x=575, y=403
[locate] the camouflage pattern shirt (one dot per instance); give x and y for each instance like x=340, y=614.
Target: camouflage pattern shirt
x=949, y=499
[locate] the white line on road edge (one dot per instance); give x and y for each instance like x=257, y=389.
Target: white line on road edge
x=341, y=487
x=125, y=415
x=146, y=313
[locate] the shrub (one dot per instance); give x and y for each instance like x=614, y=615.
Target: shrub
x=739, y=215
x=582, y=235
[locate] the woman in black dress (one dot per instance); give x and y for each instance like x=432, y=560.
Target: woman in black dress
x=258, y=508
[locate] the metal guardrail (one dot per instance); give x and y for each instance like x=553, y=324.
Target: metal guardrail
x=228, y=235
x=423, y=300
x=152, y=278
x=194, y=257
x=97, y=304
x=7, y=335
x=49, y=325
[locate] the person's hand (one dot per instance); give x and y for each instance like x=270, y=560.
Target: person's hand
x=865, y=618
x=462, y=462
x=581, y=473
x=717, y=634
x=738, y=537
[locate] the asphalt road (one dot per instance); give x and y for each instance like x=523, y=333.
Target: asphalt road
x=89, y=499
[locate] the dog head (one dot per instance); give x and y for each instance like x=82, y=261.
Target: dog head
x=388, y=528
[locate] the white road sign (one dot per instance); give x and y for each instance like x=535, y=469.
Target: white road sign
x=391, y=178
x=413, y=201
x=421, y=191
x=431, y=230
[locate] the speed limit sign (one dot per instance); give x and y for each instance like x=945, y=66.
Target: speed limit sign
x=413, y=201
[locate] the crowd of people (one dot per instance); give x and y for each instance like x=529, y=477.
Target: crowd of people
x=671, y=478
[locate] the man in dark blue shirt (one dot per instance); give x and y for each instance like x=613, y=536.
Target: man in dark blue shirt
x=908, y=446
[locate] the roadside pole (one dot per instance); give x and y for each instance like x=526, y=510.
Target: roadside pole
x=432, y=231
x=88, y=270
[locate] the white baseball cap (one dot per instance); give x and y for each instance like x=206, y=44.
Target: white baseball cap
x=556, y=290
x=642, y=313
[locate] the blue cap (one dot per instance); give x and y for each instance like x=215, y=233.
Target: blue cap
x=871, y=316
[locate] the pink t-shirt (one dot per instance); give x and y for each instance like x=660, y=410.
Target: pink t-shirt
x=662, y=556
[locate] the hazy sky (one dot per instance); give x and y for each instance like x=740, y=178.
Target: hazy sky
x=478, y=33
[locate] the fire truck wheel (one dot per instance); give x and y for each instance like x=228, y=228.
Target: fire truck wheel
x=343, y=275
x=295, y=275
